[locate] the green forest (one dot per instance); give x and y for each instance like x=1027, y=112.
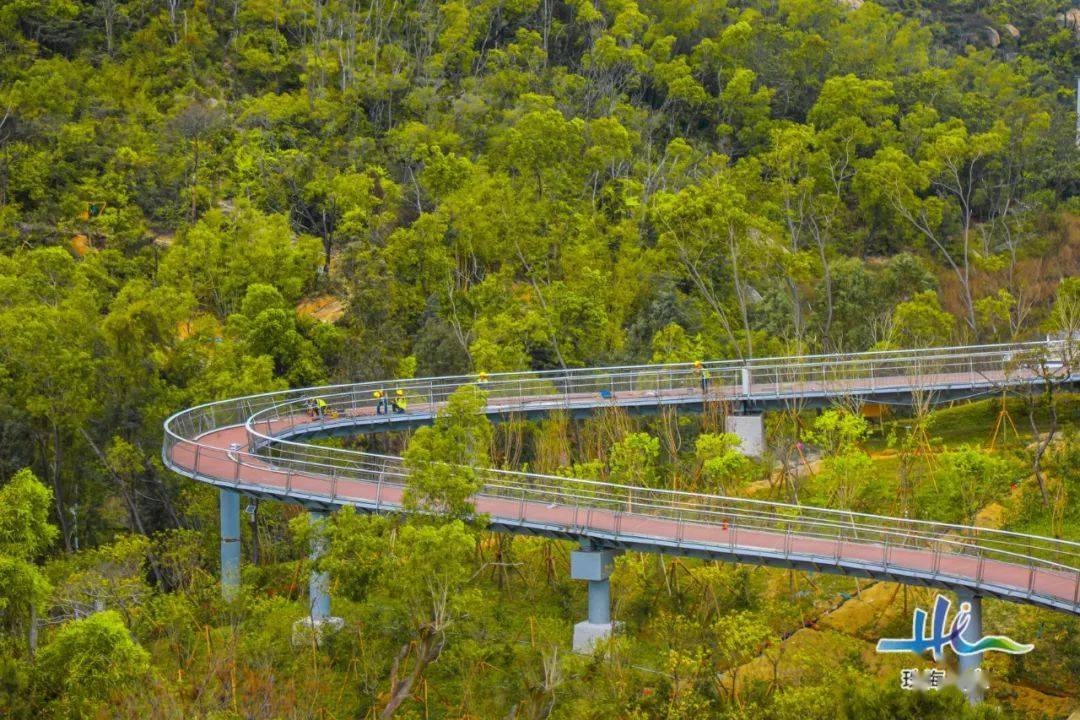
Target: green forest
x=205, y=199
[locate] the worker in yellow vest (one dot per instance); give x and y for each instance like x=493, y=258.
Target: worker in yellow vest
x=400, y=402
x=703, y=376
x=317, y=408
x=380, y=406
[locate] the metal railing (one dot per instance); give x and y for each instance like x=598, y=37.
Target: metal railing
x=1014, y=565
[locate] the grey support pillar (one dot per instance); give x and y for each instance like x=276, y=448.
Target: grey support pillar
x=319, y=583
x=313, y=628
x=972, y=681
x=751, y=432
x=595, y=567
x=229, y=503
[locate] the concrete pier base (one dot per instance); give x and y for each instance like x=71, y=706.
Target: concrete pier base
x=587, y=634
x=751, y=432
x=306, y=631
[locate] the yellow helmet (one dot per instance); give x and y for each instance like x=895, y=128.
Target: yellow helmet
x=400, y=392
x=697, y=363
x=377, y=393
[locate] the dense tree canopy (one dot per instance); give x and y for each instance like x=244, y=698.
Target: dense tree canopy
x=201, y=199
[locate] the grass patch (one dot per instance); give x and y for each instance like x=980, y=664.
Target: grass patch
x=973, y=422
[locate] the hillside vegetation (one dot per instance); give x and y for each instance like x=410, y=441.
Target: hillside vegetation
x=201, y=199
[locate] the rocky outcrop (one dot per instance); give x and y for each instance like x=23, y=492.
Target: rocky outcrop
x=1071, y=20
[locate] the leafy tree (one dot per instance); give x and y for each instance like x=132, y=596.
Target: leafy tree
x=920, y=322
x=417, y=572
x=837, y=430
x=445, y=461
x=633, y=460
x=25, y=534
x=739, y=637
x=89, y=662
x=849, y=478
x=968, y=479
x=671, y=344
x=219, y=257
x=722, y=465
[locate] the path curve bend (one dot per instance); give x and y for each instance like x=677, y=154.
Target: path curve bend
x=259, y=446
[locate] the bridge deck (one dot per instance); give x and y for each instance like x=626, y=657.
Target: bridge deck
x=266, y=456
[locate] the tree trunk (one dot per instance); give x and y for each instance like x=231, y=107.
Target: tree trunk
x=58, y=496
x=1042, y=443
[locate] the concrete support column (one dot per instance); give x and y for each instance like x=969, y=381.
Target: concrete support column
x=313, y=628
x=751, y=432
x=319, y=582
x=595, y=567
x=229, y=505
x=968, y=665
x=600, y=602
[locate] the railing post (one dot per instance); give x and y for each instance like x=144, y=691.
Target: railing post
x=521, y=508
